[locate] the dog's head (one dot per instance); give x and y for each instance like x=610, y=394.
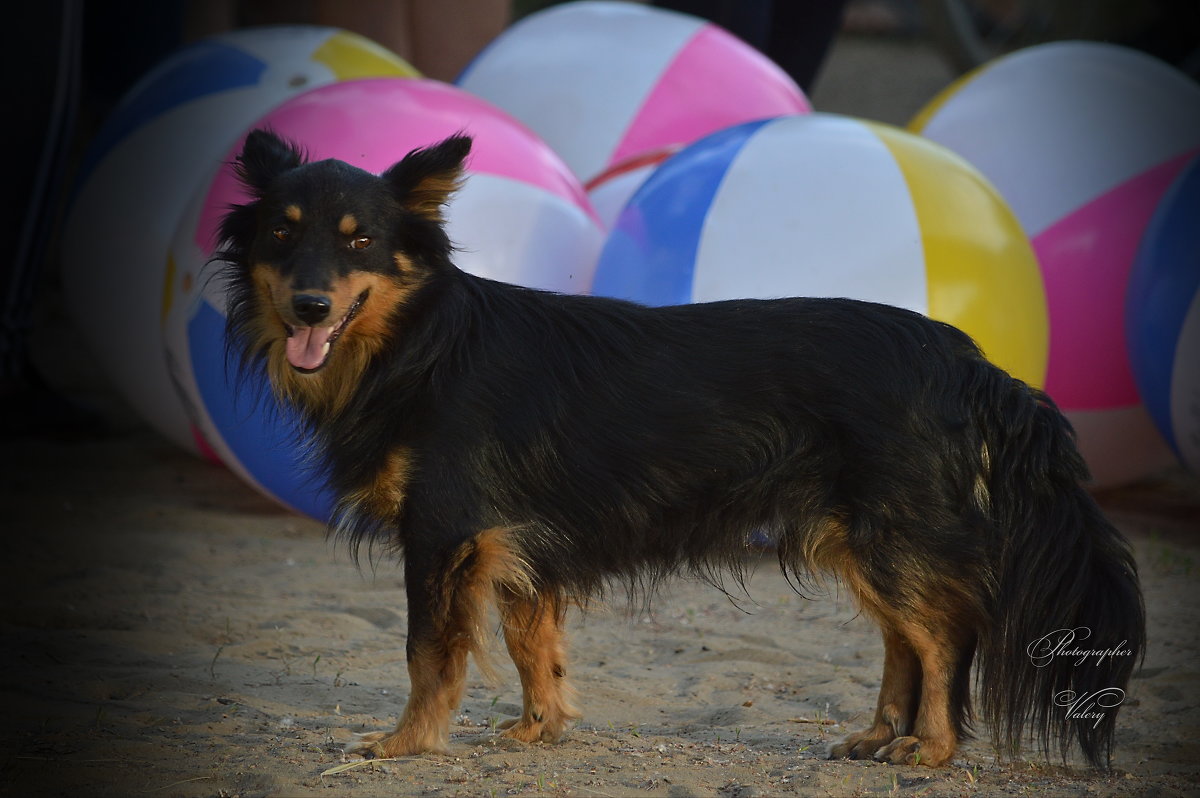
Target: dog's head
x=325, y=255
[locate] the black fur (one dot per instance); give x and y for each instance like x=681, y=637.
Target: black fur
x=626, y=443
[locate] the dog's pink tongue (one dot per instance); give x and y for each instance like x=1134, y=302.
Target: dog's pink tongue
x=306, y=346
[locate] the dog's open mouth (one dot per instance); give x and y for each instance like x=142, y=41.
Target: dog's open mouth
x=308, y=347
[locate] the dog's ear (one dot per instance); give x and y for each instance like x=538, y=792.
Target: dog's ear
x=426, y=178
x=264, y=157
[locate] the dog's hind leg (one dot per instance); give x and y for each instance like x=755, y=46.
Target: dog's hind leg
x=899, y=696
x=929, y=642
x=533, y=633
x=944, y=657
x=923, y=695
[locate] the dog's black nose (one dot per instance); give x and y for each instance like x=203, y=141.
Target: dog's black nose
x=311, y=308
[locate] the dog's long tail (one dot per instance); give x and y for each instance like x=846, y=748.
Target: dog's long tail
x=1068, y=622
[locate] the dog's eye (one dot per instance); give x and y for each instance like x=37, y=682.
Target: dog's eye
x=281, y=233
x=361, y=242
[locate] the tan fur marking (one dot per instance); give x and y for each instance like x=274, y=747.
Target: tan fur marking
x=407, y=269
x=268, y=327
x=827, y=551
x=533, y=633
x=292, y=213
x=329, y=389
x=348, y=225
x=486, y=564
x=382, y=497
x=983, y=497
x=431, y=194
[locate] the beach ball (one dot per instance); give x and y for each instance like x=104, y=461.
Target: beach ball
x=612, y=188
x=165, y=136
x=521, y=217
x=605, y=81
x=826, y=205
x=1163, y=316
x=1082, y=139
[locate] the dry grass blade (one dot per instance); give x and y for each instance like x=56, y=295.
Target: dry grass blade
x=342, y=768
x=818, y=721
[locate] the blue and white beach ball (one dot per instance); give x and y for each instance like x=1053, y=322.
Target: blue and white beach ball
x=825, y=205
x=1163, y=316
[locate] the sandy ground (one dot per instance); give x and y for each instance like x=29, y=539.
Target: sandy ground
x=168, y=632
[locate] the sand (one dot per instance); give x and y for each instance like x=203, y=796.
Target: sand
x=168, y=632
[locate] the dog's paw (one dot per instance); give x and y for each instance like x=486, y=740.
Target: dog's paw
x=914, y=751
x=537, y=728
x=388, y=745
x=527, y=731
x=863, y=744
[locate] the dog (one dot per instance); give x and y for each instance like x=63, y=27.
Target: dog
x=525, y=450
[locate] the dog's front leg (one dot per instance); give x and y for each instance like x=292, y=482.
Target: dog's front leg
x=439, y=639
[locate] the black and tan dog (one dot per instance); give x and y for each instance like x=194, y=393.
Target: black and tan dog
x=528, y=450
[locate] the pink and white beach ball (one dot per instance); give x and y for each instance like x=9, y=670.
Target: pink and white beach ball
x=1082, y=139
x=521, y=217
x=605, y=81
